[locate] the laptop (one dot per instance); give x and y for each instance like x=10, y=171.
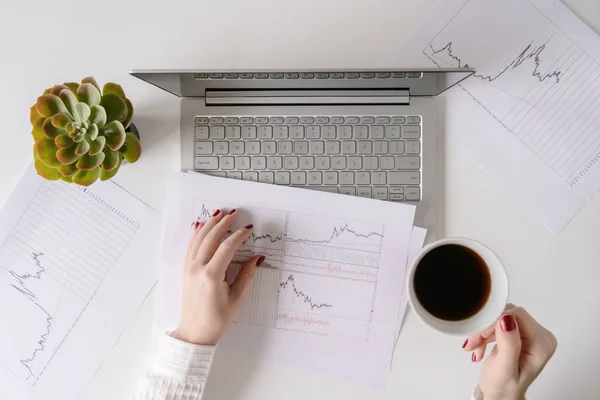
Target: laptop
x=368, y=133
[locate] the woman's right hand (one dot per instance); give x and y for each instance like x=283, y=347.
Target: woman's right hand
x=523, y=347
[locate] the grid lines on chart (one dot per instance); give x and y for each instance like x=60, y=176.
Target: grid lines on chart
x=553, y=84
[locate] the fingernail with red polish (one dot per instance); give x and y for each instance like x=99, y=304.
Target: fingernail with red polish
x=249, y=226
x=260, y=261
x=217, y=212
x=197, y=225
x=473, y=357
x=508, y=323
x=465, y=343
x=232, y=211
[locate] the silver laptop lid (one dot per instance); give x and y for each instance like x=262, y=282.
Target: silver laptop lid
x=196, y=83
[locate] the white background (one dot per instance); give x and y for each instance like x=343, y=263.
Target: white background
x=556, y=277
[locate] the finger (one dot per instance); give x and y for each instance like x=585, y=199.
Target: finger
x=485, y=336
x=240, y=286
x=212, y=240
x=202, y=232
x=478, y=353
x=508, y=343
x=188, y=256
x=223, y=256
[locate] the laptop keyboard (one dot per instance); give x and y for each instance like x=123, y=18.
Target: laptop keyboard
x=369, y=156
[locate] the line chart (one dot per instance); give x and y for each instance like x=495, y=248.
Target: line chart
x=529, y=52
x=300, y=294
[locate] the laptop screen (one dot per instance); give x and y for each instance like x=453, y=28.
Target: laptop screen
x=426, y=82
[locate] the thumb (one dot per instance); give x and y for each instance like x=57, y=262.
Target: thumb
x=508, y=343
x=243, y=278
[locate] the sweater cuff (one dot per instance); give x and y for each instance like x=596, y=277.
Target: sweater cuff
x=183, y=360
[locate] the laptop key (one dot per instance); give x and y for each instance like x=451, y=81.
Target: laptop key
x=250, y=176
x=265, y=132
x=227, y=163
x=266, y=177
x=352, y=120
x=376, y=132
x=236, y=148
x=291, y=120
x=396, y=196
x=412, y=193
x=336, y=120
x=221, y=148
x=330, y=178
x=249, y=132
x=413, y=147
x=347, y=178
x=282, y=178
x=315, y=178
x=397, y=190
x=217, y=132
x=361, y=132
x=275, y=162
x=261, y=120
x=328, y=132
x=344, y=132
x=281, y=132
x=380, y=193
x=232, y=120
x=380, y=147
x=234, y=175
x=392, y=132
x=290, y=163
x=355, y=163
x=204, y=148
x=349, y=147
x=338, y=162
x=408, y=162
x=206, y=163
x=216, y=120
x=367, y=120
x=218, y=174
x=413, y=120
x=398, y=120
x=382, y=120
x=307, y=163
x=387, y=162
x=242, y=163
x=201, y=120
x=307, y=120
x=322, y=120
x=404, y=178
x=285, y=147
x=297, y=132
x=364, y=191
x=365, y=147
x=316, y=147
x=370, y=163
x=313, y=132
x=396, y=147
x=269, y=148
x=348, y=190
x=363, y=178
x=411, y=132
x=233, y=132
x=258, y=163
x=276, y=120
x=298, y=178
x=323, y=162
x=253, y=148
x=332, y=147
x=378, y=178
x=246, y=120
x=301, y=147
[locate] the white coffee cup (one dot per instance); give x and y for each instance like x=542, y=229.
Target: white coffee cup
x=488, y=314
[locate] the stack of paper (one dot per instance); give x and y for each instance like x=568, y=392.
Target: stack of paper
x=329, y=297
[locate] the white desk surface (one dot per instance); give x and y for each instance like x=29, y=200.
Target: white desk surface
x=556, y=277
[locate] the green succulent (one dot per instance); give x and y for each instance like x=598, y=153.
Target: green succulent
x=80, y=132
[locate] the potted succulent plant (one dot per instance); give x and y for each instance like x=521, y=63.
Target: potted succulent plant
x=82, y=133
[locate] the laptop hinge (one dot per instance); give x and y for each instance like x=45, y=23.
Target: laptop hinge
x=306, y=97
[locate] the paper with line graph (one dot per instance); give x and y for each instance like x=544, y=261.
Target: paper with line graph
x=531, y=113
x=329, y=292
x=74, y=267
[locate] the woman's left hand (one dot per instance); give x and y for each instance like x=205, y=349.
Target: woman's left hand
x=208, y=302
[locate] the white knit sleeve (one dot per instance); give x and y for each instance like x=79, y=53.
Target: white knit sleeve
x=477, y=395
x=178, y=373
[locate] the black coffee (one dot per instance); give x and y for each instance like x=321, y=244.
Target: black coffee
x=452, y=282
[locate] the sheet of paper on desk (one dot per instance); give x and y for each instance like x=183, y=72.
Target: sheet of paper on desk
x=328, y=295
x=531, y=114
x=75, y=264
